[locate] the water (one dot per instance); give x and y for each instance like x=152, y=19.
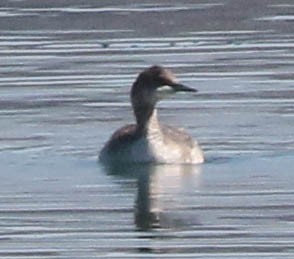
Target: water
x=66, y=69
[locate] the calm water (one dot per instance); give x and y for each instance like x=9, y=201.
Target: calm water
x=66, y=69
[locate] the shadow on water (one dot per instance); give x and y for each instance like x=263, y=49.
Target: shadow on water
x=160, y=192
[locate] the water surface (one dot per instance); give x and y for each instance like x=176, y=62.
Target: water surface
x=66, y=69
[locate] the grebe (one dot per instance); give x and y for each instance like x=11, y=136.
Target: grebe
x=149, y=141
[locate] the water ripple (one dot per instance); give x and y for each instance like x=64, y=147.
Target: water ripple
x=66, y=71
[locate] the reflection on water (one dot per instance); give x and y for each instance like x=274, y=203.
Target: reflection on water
x=161, y=191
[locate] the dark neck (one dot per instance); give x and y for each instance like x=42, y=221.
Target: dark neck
x=143, y=103
x=146, y=118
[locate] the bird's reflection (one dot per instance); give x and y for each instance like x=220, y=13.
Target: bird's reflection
x=162, y=193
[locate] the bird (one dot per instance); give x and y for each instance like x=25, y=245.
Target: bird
x=148, y=140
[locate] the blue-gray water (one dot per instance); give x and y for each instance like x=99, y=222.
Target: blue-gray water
x=66, y=69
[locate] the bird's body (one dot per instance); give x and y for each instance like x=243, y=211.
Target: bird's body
x=148, y=141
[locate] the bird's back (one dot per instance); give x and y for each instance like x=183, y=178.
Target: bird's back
x=118, y=143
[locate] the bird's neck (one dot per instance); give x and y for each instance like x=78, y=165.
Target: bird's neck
x=147, y=121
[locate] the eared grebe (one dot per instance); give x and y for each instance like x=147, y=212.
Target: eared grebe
x=149, y=141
